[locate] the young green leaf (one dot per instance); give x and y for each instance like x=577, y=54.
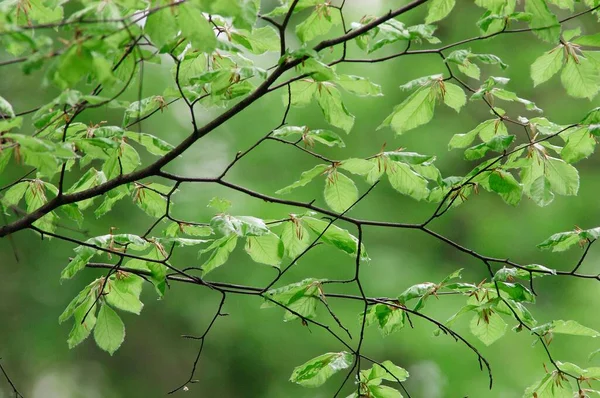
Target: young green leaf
x=295, y=238
x=404, y=180
x=84, y=320
x=486, y=131
x=334, y=110
x=124, y=293
x=503, y=183
x=358, y=85
x=322, y=19
x=563, y=178
x=340, y=192
x=572, y=328
x=335, y=236
x=162, y=27
x=580, y=145
x=552, y=385
x=239, y=225
x=488, y=326
x=543, y=23
x=387, y=318
x=151, y=202
x=265, y=249
x=413, y=112
x=547, y=65
x=357, y=166
x=302, y=298
x=316, y=371
x=439, y=9
x=196, y=28
x=109, y=332
x=581, y=78
x=305, y=178
x=454, y=96
x=221, y=249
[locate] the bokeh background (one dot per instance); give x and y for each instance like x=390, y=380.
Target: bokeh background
x=251, y=353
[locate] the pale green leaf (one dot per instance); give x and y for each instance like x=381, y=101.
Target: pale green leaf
x=316, y=371
x=265, y=249
x=547, y=65
x=488, y=328
x=413, y=112
x=439, y=9
x=109, y=332
x=340, y=192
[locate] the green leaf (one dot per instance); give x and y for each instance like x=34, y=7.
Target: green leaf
x=340, y=192
x=316, y=371
x=572, y=328
x=76, y=302
x=404, y=180
x=413, y=112
x=319, y=23
x=486, y=130
x=72, y=66
x=302, y=298
x=590, y=40
x=547, y=65
x=454, y=96
x=386, y=371
x=295, y=238
x=497, y=144
x=219, y=204
x=580, y=78
x=259, y=40
x=196, y=28
x=302, y=92
x=335, y=236
x=138, y=109
x=330, y=102
x=552, y=385
x=6, y=109
x=112, y=197
x=503, y=183
x=305, y=178
x=357, y=166
x=124, y=293
x=14, y=194
x=151, y=202
x=561, y=241
x=84, y=321
x=177, y=228
x=515, y=291
x=360, y=86
x=109, y=332
x=239, y=225
x=221, y=249
x=543, y=22
x=387, y=318
x=563, y=178
x=580, y=145
x=243, y=12
x=411, y=158
x=439, y=9
x=488, y=326
x=265, y=249
x=162, y=28
x=153, y=144
x=122, y=161
x=383, y=392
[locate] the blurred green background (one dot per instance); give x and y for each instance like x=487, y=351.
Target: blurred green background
x=251, y=352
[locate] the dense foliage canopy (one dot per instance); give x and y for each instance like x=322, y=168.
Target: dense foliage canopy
x=224, y=56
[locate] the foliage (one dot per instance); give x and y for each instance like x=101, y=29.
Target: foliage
x=219, y=53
